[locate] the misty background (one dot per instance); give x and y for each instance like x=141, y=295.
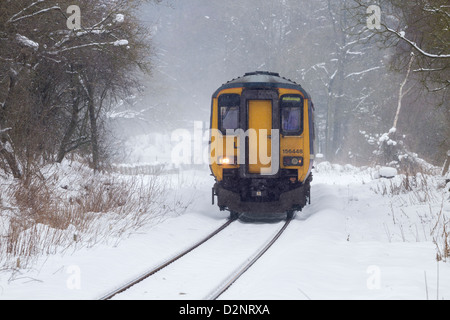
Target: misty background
x=128, y=73
x=322, y=45
x=91, y=87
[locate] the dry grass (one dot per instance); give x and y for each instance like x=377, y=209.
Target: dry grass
x=425, y=196
x=47, y=216
x=441, y=236
x=419, y=187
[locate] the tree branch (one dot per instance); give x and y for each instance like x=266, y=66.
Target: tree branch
x=415, y=46
x=35, y=14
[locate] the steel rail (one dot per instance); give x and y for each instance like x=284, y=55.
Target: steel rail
x=237, y=274
x=165, y=264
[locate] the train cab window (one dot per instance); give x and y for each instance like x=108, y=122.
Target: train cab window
x=230, y=117
x=229, y=106
x=291, y=107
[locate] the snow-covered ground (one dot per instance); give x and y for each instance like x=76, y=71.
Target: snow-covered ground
x=358, y=239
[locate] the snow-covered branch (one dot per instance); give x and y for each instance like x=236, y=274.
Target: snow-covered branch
x=400, y=93
x=361, y=72
x=34, y=14
x=27, y=42
x=4, y=145
x=429, y=8
x=117, y=43
x=401, y=35
x=2, y=131
x=12, y=19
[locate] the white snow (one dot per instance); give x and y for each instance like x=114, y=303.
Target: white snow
x=27, y=42
x=120, y=18
x=352, y=242
x=387, y=172
x=361, y=72
x=402, y=34
x=120, y=43
x=384, y=137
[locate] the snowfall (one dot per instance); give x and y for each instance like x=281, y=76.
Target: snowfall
x=356, y=240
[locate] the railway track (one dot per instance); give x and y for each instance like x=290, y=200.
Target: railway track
x=240, y=271
x=224, y=286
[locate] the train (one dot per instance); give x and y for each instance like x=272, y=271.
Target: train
x=261, y=146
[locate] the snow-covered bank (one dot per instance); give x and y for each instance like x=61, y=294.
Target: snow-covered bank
x=68, y=207
x=337, y=249
x=361, y=238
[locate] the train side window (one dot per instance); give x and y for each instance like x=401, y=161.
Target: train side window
x=229, y=106
x=291, y=107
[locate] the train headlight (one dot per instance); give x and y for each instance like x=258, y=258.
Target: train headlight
x=226, y=160
x=293, y=161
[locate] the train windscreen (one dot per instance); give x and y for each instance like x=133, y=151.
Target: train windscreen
x=291, y=114
x=229, y=105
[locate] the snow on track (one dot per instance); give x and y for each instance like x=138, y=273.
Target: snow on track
x=199, y=272
x=332, y=251
x=352, y=242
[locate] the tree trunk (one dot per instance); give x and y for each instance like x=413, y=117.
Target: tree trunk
x=73, y=123
x=69, y=133
x=10, y=160
x=335, y=89
x=93, y=125
x=400, y=93
x=329, y=143
x=12, y=84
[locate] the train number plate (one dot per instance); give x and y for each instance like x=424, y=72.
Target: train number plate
x=293, y=151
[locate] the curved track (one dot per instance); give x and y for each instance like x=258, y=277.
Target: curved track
x=165, y=264
x=229, y=280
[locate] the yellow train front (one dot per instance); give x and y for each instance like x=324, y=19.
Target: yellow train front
x=261, y=146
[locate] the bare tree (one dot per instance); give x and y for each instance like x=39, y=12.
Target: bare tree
x=419, y=26
x=55, y=81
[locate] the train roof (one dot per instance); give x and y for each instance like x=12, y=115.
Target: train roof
x=261, y=80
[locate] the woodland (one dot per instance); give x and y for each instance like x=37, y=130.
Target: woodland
x=379, y=80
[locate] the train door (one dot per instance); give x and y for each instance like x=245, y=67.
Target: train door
x=260, y=140
x=261, y=120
